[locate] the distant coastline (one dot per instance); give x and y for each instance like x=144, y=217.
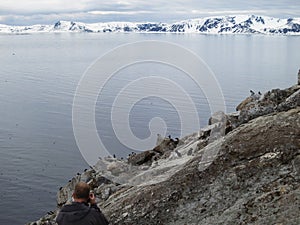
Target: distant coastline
x=235, y=24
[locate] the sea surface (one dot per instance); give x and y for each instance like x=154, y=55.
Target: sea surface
x=39, y=75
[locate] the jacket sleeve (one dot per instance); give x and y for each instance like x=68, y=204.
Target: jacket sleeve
x=101, y=217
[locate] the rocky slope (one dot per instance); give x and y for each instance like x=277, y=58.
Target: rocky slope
x=244, y=24
x=244, y=168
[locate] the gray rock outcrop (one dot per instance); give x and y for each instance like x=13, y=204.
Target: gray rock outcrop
x=253, y=180
x=243, y=168
x=275, y=100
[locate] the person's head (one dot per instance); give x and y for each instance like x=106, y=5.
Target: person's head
x=81, y=192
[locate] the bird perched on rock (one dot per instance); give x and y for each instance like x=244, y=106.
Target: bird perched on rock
x=176, y=141
x=255, y=96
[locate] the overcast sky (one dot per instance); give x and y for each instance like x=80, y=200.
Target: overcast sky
x=26, y=12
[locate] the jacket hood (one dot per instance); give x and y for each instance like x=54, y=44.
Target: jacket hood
x=74, y=212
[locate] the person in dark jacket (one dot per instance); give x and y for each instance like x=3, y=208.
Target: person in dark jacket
x=79, y=212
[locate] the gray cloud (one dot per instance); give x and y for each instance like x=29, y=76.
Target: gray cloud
x=49, y=11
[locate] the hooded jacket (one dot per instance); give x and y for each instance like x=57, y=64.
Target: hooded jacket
x=80, y=214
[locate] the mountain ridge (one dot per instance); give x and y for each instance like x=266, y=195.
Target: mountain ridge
x=235, y=24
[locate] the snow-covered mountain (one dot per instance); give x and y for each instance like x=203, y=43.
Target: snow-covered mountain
x=243, y=24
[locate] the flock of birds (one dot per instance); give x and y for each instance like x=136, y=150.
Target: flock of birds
x=176, y=140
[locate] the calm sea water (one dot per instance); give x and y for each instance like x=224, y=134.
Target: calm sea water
x=38, y=77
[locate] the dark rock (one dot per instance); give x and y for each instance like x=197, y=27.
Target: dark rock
x=291, y=102
x=163, y=150
x=142, y=158
x=190, y=152
x=205, y=133
x=202, y=144
x=57, y=25
x=166, y=145
x=230, y=125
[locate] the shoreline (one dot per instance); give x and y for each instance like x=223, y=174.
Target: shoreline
x=158, y=185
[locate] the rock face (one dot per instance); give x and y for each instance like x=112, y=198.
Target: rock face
x=249, y=176
x=275, y=100
x=253, y=180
